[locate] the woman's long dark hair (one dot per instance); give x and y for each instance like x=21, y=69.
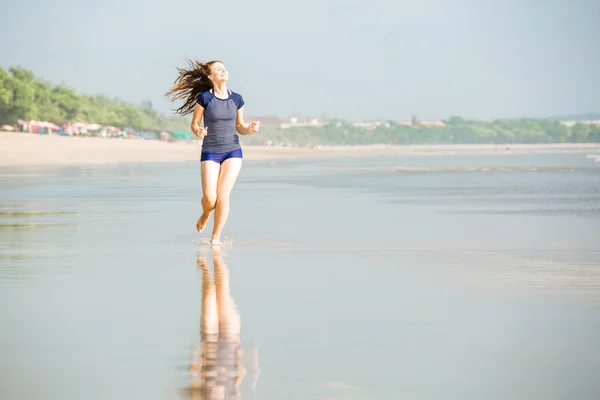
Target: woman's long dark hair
x=189, y=84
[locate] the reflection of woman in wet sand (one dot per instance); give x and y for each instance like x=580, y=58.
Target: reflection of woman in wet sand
x=216, y=370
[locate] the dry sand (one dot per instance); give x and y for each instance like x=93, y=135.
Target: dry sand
x=21, y=149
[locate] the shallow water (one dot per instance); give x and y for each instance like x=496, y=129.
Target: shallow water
x=423, y=277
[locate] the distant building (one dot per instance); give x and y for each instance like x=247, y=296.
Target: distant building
x=414, y=121
x=370, y=125
x=265, y=120
x=302, y=121
x=432, y=123
x=587, y=122
x=291, y=122
x=421, y=123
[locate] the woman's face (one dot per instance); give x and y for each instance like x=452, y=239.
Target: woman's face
x=218, y=72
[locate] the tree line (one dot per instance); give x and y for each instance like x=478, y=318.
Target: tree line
x=26, y=97
x=457, y=131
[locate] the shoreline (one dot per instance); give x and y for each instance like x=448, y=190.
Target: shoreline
x=29, y=149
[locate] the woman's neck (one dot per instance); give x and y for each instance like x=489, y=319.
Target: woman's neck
x=220, y=90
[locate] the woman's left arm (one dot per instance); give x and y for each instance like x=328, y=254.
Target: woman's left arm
x=243, y=128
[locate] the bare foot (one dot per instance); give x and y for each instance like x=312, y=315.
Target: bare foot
x=215, y=241
x=202, y=221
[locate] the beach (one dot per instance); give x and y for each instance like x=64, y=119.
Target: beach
x=385, y=276
x=32, y=149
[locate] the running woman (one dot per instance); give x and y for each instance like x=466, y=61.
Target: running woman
x=203, y=86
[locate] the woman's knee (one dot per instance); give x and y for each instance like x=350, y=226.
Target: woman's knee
x=209, y=201
x=222, y=200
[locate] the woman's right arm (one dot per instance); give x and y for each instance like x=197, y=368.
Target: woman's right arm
x=196, y=119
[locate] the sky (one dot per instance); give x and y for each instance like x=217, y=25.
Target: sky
x=348, y=59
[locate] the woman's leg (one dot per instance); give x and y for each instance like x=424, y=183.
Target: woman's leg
x=209, y=173
x=230, y=169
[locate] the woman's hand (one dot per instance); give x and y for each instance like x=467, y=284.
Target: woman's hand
x=200, y=132
x=253, y=126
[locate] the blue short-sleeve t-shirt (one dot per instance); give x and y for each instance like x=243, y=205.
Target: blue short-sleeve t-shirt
x=219, y=120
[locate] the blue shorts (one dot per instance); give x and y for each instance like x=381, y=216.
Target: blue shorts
x=220, y=157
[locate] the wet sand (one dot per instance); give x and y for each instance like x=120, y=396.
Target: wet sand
x=22, y=149
x=336, y=284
